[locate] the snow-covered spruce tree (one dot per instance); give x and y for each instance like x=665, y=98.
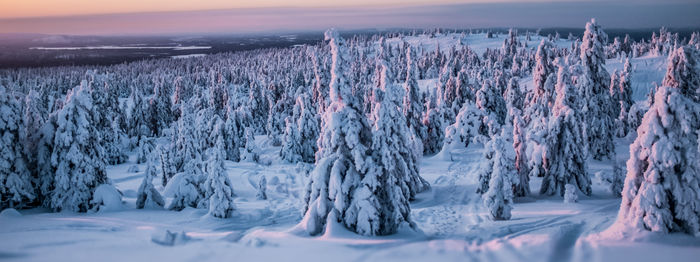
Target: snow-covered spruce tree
x=598, y=108
x=250, y=152
x=301, y=133
x=413, y=99
x=106, y=113
x=234, y=131
x=291, y=140
x=77, y=156
x=344, y=186
x=262, y=189
x=184, y=186
x=160, y=114
x=522, y=188
x=663, y=172
x=147, y=195
x=465, y=129
x=565, y=161
x=498, y=177
x=391, y=141
x=218, y=190
x=167, y=167
x=492, y=104
x=542, y=94
x=683, y=72
x=514, y=99
x=16, y=189
x=434, y=126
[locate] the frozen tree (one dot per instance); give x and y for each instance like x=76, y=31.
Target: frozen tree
x=498, y=176
x=434, y=128
x=615, y=179
x=522, y=188
x=463, y=131
x=16, y=187
x=413, y=99
x=301, y=133
x=167, y=167
x=565, y=161
x=148, y=195
x=570, y=193
x=218, y=190
x=262, y=189
x=391, y=139
x=543, y=68
x=251, y=152
x=663, y=172
x=683, y=72
x=345, y=186
x=160, y=114
x=234, y=132
x=598, y=108
x=492, y=104
x=77, y=157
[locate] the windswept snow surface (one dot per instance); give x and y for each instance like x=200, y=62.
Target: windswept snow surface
x=454, y=225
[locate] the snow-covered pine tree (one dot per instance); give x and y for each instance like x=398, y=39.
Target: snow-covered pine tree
x=262, y=189
x=160, y=114
x=301, y=133
x=251, y=152
x=291, y=140
x=498, y=177
x=465, y=129
x=683, y=72
x=522, y=188
x=218, y=190
x=565, y=161
x=598, y=109
x=77, y=157
x=492, y=104
x=391, y=139
x=413, y=99
x=16, y=189
x=434, y=126
x=663, y=172
x=337, y=191
x=234, y=131
x=147, y=195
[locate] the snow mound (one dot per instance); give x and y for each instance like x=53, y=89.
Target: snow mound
x=107, y=198
x=9, y=212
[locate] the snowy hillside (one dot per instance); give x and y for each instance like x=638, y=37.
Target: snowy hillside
x=314, y=153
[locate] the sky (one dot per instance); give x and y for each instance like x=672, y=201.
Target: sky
x=143, y=17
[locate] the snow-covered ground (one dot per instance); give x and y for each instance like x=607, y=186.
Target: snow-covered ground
x=454, y=224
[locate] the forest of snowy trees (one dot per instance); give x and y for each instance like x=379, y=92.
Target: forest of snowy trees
x=353, y=109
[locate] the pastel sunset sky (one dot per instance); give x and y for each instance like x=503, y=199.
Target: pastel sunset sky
x=106, y=17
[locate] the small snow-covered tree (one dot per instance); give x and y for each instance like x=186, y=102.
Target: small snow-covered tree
x=251, y=152
x=262, y=189
x=570, y=193
x=77, y=156
x=493, y=105
x=663, y=172
x=16, y=187
x=498, y=177
x=218, y=190
x=464, y=131
x=148, y=195
x=565, y=161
